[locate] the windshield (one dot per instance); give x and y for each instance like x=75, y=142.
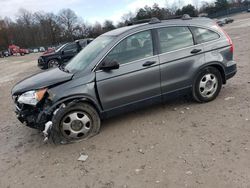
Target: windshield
x=59, y=48
x=88, y=54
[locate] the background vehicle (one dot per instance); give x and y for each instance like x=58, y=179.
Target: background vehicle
x=126, y=69
x=41, y=49
x=24, y=51
x=248, y=10
x=4, y=53
x=35, y=50
x=63, y=54
x=49, y=50
x=15, y=50
x=226, y=20
x=220, y=23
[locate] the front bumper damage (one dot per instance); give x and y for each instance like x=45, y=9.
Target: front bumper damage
x=32, y=117
x=37, y=117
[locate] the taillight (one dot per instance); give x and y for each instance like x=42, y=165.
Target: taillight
x=228, y=38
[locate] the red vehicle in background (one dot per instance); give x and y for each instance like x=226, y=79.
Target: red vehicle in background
x=50, y=50
x=15, y=50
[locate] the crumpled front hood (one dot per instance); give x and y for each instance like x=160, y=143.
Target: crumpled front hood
x=41, y=80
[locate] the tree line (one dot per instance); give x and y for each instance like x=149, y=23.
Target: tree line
x=46, y=29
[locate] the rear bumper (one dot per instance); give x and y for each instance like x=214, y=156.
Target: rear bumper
x=230, y=70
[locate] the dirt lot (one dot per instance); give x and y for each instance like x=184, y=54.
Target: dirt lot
x=178, y=144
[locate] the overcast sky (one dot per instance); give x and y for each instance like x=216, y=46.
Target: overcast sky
x=89, y=10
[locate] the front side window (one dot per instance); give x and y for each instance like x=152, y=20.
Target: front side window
x=70, y=47
x=174, y=38
x=134, y=47
x=204, y=35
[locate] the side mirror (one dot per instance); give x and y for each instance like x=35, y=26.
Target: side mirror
x=109, y=65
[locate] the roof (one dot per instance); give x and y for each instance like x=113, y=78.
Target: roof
x=121, y=30
x=196, y=21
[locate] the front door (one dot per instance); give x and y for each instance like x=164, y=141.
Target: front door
x=69, y=51
x=137, y=79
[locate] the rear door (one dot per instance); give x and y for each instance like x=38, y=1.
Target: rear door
x=179, y=58
x=138, y=77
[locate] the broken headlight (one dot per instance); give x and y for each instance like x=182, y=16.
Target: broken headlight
x=32, y=97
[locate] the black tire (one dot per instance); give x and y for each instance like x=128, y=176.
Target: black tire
x=198, y=91
x=53, y=63
x=59, y=135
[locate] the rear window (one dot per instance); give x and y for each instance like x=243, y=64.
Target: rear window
x=174, y=38
x=204, y=35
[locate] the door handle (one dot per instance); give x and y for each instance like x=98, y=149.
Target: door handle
x=195, y=51
x=148, y=63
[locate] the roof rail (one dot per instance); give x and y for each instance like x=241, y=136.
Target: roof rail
x=150, y=21
x=134, y=22
x=154, y=20
x=186, y=17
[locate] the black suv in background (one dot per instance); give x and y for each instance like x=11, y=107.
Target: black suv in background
x=63, y=54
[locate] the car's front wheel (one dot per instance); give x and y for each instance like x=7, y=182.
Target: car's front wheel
x=75, y=123
x=207, y=84
x=53, y=63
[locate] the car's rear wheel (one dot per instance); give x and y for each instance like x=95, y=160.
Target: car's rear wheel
x=53, y=63
x=75, y=123
x=207, y=84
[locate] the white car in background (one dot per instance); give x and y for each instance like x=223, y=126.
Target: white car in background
x=41, y=49
x=35, y=50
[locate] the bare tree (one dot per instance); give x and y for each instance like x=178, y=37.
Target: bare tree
x=196, y=4
x=68, y=20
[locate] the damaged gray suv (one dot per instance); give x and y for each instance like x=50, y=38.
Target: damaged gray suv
x=125, y=69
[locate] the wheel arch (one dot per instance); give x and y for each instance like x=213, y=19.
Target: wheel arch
x=77, y=99
x=216, y=65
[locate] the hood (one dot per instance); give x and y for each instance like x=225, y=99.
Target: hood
x=41, y=80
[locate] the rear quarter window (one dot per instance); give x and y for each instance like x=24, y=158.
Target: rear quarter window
x=204, y=35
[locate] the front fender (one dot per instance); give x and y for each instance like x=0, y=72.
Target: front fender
x=75, y=99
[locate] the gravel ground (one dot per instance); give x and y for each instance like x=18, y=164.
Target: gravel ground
x=178, y=144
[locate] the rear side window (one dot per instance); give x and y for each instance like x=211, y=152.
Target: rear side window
x=204, y=35
x=134, y=47
x=174, y=38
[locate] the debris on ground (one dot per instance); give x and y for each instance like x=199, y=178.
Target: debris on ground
x=83, y=157
x=189, y=173
x=229, y=98
x=141, y=151
x=138, y=170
